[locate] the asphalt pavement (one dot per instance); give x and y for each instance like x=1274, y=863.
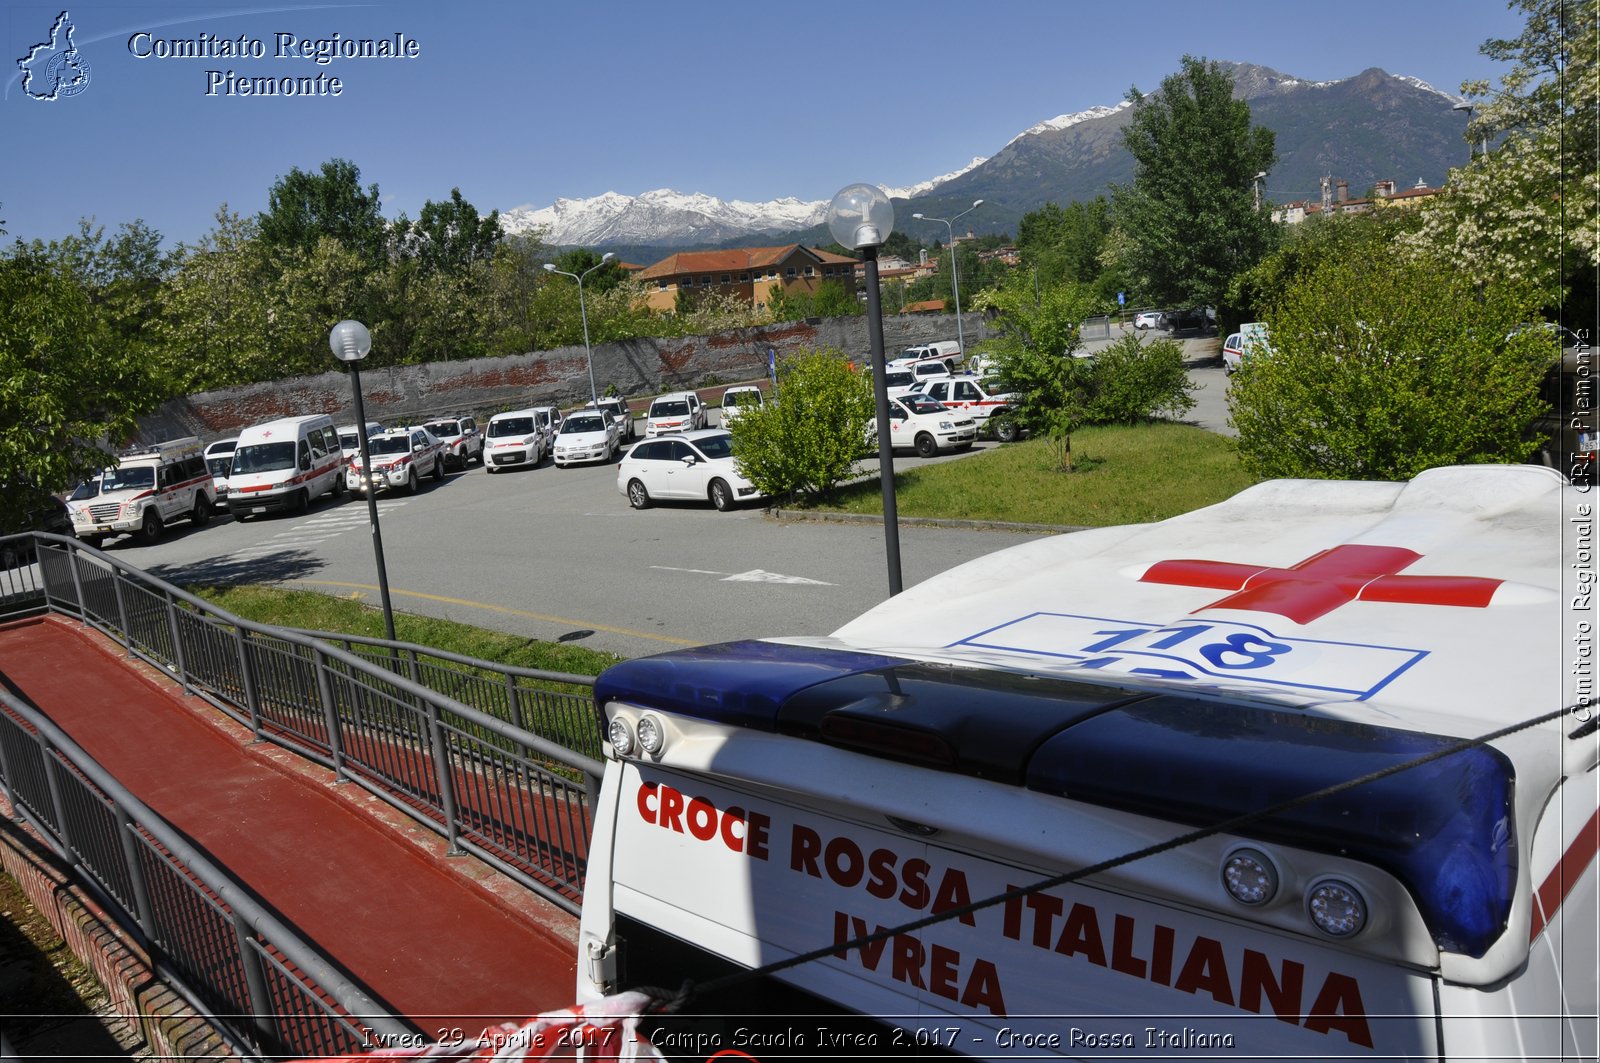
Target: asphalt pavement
x=552, y=553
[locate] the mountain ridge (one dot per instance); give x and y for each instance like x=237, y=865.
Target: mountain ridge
x=1368, y=127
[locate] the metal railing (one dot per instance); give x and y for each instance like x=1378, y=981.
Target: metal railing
x=501, y=761
x=267, y=990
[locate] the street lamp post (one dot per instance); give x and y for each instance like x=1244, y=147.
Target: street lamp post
x=955, y=273
x=583, y=312
x=861, y=218
x=1256, y=183
x=350, y=341
x=1469, y=108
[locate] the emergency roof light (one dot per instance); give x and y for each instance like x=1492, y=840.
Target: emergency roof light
x=1444, y=828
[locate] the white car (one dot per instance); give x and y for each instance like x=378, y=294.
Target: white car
x=219, y=461
x=618, y=411
x=587, y=435
x=679, y=411
x=1147, y=319
x=400, y=459
x=737, y=400
x=925, y=425
x=695, y=466
x=516, y=437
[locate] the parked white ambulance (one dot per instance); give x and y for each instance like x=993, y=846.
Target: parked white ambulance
x=145, y=491
x=285, y=464
x=1157, y=705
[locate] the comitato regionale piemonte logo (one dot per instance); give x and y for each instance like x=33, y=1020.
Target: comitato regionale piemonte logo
x=55, y=69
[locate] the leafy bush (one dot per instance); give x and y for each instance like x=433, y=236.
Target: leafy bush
x=808, y=440
x=1379, y=371
x=1133, y=380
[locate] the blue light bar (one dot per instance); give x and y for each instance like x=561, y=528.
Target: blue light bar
x=739, y=683
x=1445, y=829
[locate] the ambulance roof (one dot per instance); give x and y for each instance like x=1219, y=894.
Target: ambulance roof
x=1435, y=605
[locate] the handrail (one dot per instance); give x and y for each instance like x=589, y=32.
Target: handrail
x=482, y=776
x=44, y=803
x=477, y=662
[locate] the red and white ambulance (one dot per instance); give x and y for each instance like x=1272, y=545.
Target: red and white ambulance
x=147, y=489
x=1180, y=690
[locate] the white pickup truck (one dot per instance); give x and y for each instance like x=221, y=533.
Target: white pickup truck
x=991, y=410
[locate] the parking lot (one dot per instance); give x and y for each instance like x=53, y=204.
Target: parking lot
x=552, y=552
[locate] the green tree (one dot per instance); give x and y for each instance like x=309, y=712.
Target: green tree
x=302, y=208
x=218, y=323
x=515, y=276
x=1530, y=207
x=450, y=236
x=831, y=299
x=1034, y=356
x=1378, y=372
x=68, y=388
x=1189, y=216
x=1135, y=379
x=1065, y=244
x=809, y=440
x=579, y=260
x=1305, y=247
x=122, y=274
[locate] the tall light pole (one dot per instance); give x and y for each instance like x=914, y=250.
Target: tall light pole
x=955, y=273
x=350, y=341
x=583, y=312
x=1469, y=108
x=1256, y=182
x=861, y=218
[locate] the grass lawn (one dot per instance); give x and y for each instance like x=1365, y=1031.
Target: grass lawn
x=325, y=612
x=1124, y=475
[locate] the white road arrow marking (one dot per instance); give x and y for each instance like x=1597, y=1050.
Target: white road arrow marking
x=755, y=575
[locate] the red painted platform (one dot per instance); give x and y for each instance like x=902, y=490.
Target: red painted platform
x=439, y=939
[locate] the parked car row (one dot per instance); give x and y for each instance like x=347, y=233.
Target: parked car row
x=288, y=463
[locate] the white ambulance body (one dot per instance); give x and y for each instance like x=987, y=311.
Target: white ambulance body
x=145, y=491
x=1083, y=697
x=285, y=464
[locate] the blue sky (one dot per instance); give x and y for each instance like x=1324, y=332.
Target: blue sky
x=521, y=103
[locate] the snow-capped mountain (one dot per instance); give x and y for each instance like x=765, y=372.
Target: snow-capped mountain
x=667, y=217
x=1364, y=128
x=661, y=216
x=1065, y=120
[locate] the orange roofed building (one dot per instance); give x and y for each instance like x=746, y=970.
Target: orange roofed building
x=747, y=273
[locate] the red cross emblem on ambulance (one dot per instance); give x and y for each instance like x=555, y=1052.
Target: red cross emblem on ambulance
x=1323, y=582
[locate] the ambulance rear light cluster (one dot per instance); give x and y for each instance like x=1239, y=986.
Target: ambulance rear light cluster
x=646, y=734
x=1333, y=906
x=1444, y=828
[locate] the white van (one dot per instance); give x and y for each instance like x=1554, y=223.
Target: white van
x=350, y=438
x=219, y=459
x=285, y=464
x=1307, y=774
x=145, y=491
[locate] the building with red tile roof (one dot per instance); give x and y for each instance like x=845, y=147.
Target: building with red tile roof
x=747, y=273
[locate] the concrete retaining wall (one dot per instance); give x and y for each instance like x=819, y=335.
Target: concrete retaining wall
x=638, y=368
